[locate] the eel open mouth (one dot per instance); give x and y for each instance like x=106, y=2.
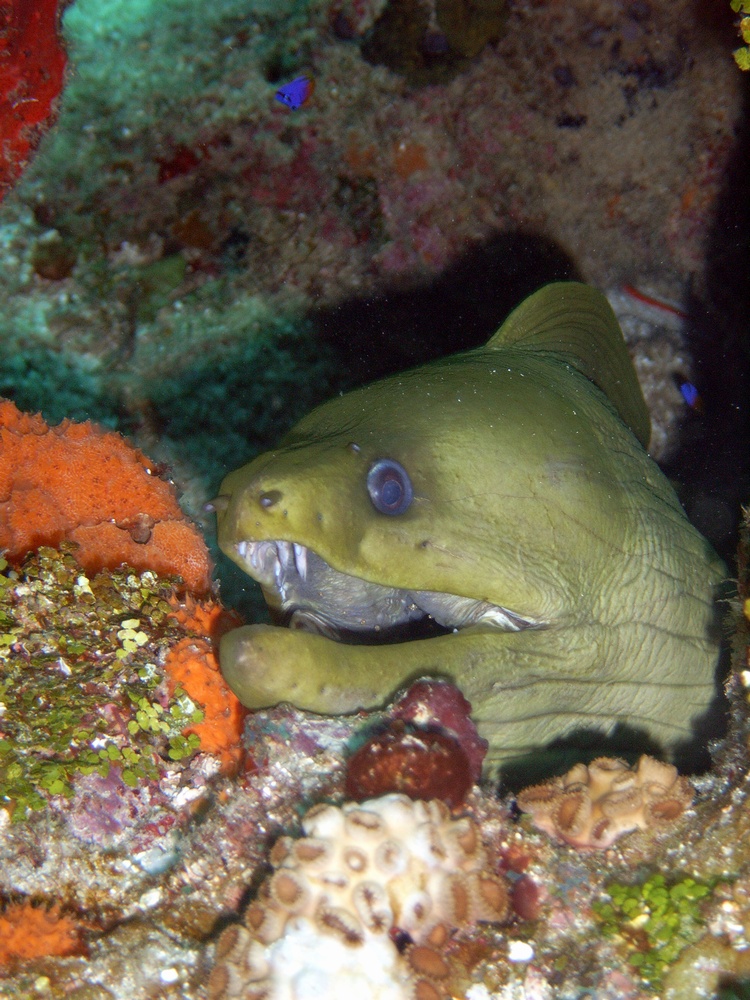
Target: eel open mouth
x=306, y=593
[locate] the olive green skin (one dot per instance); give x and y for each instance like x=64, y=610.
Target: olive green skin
x=530, y=492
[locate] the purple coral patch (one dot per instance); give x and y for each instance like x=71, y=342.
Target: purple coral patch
x=103, y=809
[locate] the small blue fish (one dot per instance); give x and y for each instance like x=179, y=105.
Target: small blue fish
x=691, y=396
x=295, y=94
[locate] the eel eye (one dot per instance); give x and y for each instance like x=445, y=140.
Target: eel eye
x=389, y=487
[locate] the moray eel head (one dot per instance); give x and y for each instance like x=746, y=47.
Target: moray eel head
x=492, y=518
x=353, y=543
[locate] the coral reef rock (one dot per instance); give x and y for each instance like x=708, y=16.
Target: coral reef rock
x=362, y=877
x=591, y=806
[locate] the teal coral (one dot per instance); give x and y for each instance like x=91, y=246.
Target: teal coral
x=147, y=84
x=58, y=385
x=655, y=919
x=233, y=400
x=213, y=407
x=80, y=681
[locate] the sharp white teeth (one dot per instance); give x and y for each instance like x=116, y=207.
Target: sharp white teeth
x=300, y=558
x=284, y=551
x=280, y=561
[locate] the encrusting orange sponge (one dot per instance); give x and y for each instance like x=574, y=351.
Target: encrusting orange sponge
x=33, y=931
x=192, y=664
x=78, y=482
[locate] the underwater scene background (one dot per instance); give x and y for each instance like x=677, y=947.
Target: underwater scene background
x=196, y=249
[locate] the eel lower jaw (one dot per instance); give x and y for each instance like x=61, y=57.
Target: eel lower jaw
x=308, y=594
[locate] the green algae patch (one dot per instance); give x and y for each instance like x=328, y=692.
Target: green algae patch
x=654, y=920
x=82, y=685
x=742, y=55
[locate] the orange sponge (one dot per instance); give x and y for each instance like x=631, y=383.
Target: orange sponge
x=192, y=665
x=81, y=483
x=31, y=931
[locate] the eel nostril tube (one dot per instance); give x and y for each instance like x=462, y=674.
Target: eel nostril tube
x=217, y=505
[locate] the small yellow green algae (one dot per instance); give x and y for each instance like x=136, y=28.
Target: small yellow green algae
x=742, y=54
x=655, y=919
x=81, y=681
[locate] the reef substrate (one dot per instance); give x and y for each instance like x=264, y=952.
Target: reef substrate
x=131, y=840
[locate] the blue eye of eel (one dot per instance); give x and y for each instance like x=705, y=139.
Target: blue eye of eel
x=389, y=487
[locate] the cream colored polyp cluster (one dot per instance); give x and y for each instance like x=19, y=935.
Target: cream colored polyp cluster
x=591, y=806
x=321, y=923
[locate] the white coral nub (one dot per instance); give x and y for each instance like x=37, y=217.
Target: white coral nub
x=591, y=806
x=321, y=923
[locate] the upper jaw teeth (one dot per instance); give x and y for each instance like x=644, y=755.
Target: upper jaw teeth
x=292, y=556
x=300, y=560
x=274, y=559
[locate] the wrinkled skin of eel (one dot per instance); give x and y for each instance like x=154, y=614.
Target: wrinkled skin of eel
x=503, y=499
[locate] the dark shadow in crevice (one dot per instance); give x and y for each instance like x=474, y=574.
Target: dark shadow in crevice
x=691, y=756
x=712, y=466
x=460, y=309
x=581, y=746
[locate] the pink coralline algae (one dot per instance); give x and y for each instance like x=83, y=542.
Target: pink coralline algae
x=591, y=806
x=104, y=809
x=440, y=705
x=430, y=749
x=421, y=765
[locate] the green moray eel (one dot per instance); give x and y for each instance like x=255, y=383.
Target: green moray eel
x=499, y=503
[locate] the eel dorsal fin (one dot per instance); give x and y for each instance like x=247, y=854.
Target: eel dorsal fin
x=576, y=321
